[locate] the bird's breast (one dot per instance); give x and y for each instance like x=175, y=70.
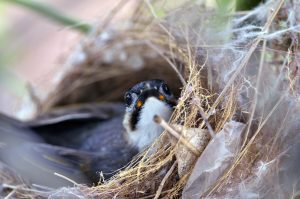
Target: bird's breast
x=147, y=130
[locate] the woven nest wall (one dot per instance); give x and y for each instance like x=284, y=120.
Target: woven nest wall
x=106, y=64
x=236, y=76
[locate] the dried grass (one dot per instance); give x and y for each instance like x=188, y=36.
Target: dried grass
x=244, y=72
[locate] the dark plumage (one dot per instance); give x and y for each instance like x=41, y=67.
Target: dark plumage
x=78, y=142
x=75, y=142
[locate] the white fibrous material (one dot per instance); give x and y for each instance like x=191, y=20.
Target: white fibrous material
x=215, y=159
x=257, y=55
x=67, y=193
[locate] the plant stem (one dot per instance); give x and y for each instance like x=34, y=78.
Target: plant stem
x=53, y=14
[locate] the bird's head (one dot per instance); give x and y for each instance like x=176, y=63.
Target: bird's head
x=144, y=101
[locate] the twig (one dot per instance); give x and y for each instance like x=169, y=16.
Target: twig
x=152, y=10
x=66, y=178
x=152, y=195
x=258, y=82
x=210, y=129
x=245, y=149
x=168, y=60
x=53, y=14
x=162, y=183
x=246, y=58
x=43, y=187
x=112, y=14
x=19, y=187
x=10, y=194
x=169, y=129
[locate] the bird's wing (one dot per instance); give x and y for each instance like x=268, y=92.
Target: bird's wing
x=23, y=150
x=100, y=111
x=13, y=132
x=90, y=164
x=69, y=127
x=20, y=150
x=38, y=163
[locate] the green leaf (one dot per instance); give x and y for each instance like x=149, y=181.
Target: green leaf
x=247, y=4
x=226, y=6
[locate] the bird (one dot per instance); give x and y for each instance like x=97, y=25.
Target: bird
x=80, y=142
x=143, y=102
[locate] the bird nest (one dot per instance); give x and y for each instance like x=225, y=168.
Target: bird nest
x=235, y=128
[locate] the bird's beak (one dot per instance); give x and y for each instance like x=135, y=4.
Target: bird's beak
x=145, y=95
x=155, y=93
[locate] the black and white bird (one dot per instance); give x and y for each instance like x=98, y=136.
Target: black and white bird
x=143, y=102
x=79, y=142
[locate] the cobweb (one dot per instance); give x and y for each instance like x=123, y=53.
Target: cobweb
x=256, y=53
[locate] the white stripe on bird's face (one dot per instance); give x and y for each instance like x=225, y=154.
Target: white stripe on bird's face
x=147, y=130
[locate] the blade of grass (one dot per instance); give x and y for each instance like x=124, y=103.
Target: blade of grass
x=53, y=14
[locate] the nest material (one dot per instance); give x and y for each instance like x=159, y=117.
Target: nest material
x=13, y=186
x=239, y=67
x=109, y=67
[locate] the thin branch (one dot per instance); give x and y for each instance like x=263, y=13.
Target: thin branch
x=205, y=118
x=246, y=58
x=180, y=138
x=66, y=178
x=258, y=83
x=152, y=10
x=162, y=183
x=43, y=187
x=244, y=151
x=19, y=187
x=168, y=60
x=246, y=148
x=11, y=194
x=112, y=14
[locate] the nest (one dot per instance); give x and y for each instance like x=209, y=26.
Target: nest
x=236, y=75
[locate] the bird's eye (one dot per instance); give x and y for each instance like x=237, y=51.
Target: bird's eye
x=128, y=99
x=166, y=89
